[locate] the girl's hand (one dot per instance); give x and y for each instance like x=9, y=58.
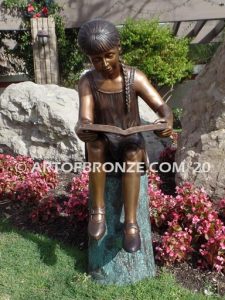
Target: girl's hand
x=85, y=135
x=165, y=132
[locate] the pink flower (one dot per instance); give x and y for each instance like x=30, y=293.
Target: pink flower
x=30, y=8
x=195, y=220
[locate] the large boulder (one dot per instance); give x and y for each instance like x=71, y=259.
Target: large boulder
x=201, y=147
x=39, y=120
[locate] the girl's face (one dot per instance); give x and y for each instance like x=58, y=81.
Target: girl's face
x=107, y=63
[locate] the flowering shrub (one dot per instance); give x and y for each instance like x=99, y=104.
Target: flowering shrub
x=191, y=225
x=12, y=171
x=46, y=210
x=174, y=247
x=36, y=9
x=19, y=182
x=159, y=211
x=221, y=208
x=154, y=181
x=40, y=8
x=77, y=205
x=214, y=251
x=33, y=8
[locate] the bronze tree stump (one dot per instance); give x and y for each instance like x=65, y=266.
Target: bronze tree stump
x=108, y=262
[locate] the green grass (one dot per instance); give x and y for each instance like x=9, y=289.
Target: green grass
x=35, y=267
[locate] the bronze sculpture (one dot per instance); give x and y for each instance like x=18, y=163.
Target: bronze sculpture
x=108, y=95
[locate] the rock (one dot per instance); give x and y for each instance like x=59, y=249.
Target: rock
x=39, y=120
x=108, y=262
x=201, y=146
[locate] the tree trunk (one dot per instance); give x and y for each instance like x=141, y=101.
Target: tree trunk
x=108, y=262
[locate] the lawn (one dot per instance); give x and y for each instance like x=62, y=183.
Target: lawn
x=36, y=267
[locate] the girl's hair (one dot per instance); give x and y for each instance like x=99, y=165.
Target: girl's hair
x=99, y=36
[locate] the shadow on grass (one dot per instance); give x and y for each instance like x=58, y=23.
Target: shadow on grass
x=47, y=246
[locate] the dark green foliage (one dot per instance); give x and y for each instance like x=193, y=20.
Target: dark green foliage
x=153, y=49
x=177, y=113
x=71, y=60
x=15, y=4
x=202, y=53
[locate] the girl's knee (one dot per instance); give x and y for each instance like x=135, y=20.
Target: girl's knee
x=133, y=154
x=96, y=147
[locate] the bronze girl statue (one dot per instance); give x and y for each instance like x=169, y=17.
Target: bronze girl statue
x=108, y=95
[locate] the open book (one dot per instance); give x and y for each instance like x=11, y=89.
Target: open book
x=118, y=130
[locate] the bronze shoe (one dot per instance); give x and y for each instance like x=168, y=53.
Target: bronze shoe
x=96, y=224
x=131, y=240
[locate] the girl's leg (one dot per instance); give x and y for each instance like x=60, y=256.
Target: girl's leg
x=96, y=156
x=131, y=188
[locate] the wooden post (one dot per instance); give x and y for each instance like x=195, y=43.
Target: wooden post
x=108, y=262
x=45, y=56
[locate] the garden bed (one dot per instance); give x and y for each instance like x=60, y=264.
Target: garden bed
x=186, y=273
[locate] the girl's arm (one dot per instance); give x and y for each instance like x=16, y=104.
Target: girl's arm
x=86, y=110
x=149, y=94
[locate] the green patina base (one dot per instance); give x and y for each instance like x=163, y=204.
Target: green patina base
x=108, y=262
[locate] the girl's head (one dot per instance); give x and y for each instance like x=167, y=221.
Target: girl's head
x=98, y=36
